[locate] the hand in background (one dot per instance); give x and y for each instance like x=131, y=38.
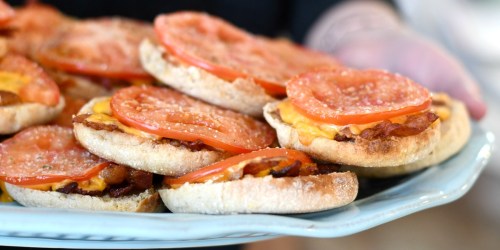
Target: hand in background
x=368, y=34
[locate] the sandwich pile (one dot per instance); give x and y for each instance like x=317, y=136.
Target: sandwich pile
x=196, y=115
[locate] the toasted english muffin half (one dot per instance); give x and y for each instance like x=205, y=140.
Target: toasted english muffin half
x=385, y=152
x=139, y=152
x=147, y=201
x=15, y=117
x=242, y=95
x=264, y=194
x=455, y=132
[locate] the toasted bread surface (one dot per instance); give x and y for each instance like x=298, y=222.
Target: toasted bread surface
x=264, y=195
x=147, y=201
x=18, y=116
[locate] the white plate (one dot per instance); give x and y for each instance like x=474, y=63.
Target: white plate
x=39, y=227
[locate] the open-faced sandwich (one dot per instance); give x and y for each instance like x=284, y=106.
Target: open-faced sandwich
x=162, y=131
x=367, y=118
x=272, y=180
x=212, y=60
x=28, y=96
x=44, y=166
x=31, y=26
x=93, y=57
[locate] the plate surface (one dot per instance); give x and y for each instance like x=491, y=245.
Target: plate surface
x=394, y=198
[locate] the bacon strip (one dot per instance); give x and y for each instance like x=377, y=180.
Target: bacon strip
x=120, y=180
x=414, y=125
x=8, y=98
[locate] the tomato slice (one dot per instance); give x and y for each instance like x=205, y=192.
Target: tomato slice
x=106, y=47
x=34, y=24
x=169, y=114
x=221, y=166
x=40, y=87
x=6, y=12
x=46, y=154
x=343, y=96
x=220, y=48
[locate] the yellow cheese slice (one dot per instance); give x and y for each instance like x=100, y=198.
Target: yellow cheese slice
x=4, y=196
x=12, y=82
x=95, y=183
x=103, y=114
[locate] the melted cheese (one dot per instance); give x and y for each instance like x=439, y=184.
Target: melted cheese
x=103, y=114
x=4, y=196
x=12, y=82
x=443, y=111
x=95, y=183
x=309, y=129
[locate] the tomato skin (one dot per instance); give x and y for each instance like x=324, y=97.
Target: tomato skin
x=40, y=88
x=221, y=166
x=6, y=13
x=46, y=154
x=169, y=114
x=105, y=47
x=235, y=59
x=344, y=96
x=34, y=24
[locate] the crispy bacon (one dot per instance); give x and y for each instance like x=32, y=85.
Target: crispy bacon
x=95, y=125
x=8, y=98
x=140, y=179
x=255, y=167
x=285, y=168
x=120, y=180
x=114, y=174
x=289, y=170
x=345, y=135
x=121, y=190
x=414, y=125
x=69, y=188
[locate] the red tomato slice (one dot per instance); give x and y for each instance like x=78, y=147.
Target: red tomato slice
x=220, y=48
x=170, y=114
x=221, y=166
x=6, y=13
x=40, y=88
x=106, y=47
x=344, y=96
x=46, y=154
x=34, y=24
